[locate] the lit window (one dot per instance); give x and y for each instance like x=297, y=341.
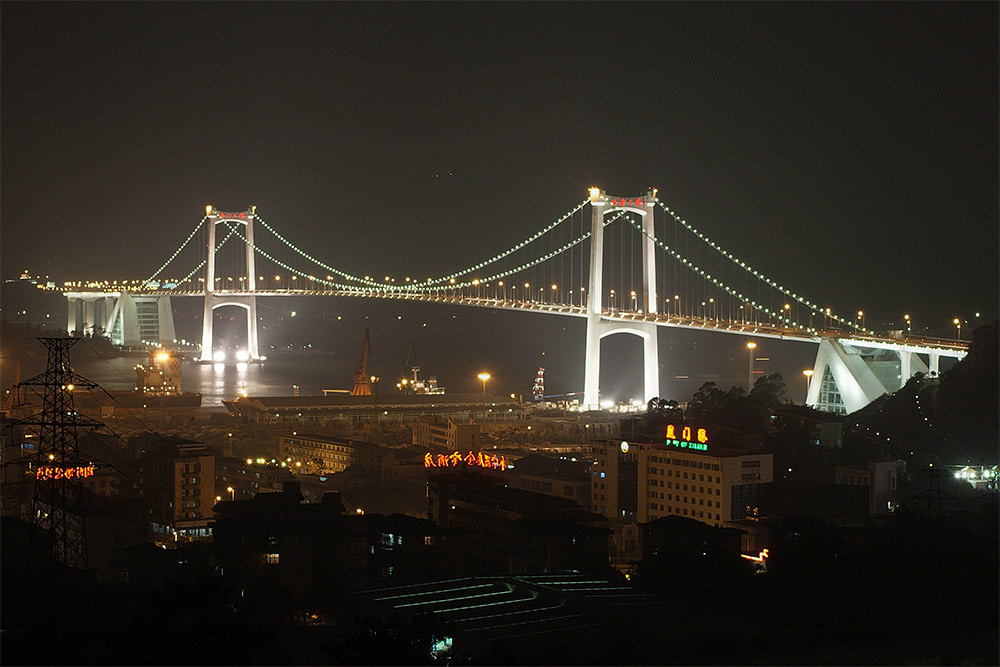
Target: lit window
x=272, y=559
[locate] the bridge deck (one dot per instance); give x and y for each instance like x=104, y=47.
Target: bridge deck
x=746, y=328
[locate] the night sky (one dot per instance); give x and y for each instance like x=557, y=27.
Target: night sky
x=849, y=150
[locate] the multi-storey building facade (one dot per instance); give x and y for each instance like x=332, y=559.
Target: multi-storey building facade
x=179, y=485
x=328, y=455
x=679, y=476
x=447, y=434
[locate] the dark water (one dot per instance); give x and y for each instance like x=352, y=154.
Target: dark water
x=315, y=371
x=275, y=377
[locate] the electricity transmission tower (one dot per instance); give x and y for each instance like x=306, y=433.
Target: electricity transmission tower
x=58, y=467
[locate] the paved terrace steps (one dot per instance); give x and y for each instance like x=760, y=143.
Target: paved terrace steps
x=551, y=608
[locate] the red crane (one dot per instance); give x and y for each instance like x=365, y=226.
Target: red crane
x=362, y=385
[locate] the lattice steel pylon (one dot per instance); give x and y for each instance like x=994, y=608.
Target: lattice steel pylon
x=56, y=512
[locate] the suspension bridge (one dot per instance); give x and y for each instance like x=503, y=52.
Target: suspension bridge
x=626, y=264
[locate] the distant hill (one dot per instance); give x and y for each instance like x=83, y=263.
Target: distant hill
x=956, y=417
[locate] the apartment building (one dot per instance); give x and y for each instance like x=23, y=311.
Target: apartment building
x=682, y=475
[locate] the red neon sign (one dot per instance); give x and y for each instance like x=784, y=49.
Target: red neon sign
x=52, y=472
x=472, y=459
x=635, y=201
x=241, y=216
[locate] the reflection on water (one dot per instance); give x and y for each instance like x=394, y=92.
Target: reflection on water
x=215, y=382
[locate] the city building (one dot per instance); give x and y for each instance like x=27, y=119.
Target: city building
x=248, y=477
x=674, y=544
x=320, y=453
x=404, y=464
x=684, y=474
x=881, y=479
x=178, y=484
x=315, y=550
x=508, y=530
x=387, y=406
x=445, y=433
x=563, y=477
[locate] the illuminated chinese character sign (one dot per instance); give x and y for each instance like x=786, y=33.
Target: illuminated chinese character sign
x=634, y=201
x=56, y=472
x=472, y=460
x=686, y=437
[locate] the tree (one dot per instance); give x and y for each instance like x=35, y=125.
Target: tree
x=769, y=391
x=664, y=409
x=708, y=403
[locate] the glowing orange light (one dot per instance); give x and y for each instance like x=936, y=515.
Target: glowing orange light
x=472, y=459
x=757, y=559
x=51, y=472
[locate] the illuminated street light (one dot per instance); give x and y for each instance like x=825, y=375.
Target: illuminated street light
x=484, y=376
x=232, y=492
x=751, y=346
x=808, y=373
x=374, y=379
x=958, y=324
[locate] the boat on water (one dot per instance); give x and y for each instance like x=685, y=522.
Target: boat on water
x=157, y=387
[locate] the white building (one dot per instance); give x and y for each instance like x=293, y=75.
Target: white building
x=640, y=482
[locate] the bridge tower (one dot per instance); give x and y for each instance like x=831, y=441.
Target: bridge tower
x=597, y=328
x=219, y=298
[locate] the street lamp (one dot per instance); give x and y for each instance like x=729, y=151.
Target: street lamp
x=232, y=492
x=750, y=346
x=484, y=377
x=374, y=379
x=230, y=444
x=907, y=318
x=958, y=324
x=861, y=318
x=808, y=373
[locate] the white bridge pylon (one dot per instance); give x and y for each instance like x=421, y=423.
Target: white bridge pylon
x=858, y=371
x=214, y=300
x=597, y=327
